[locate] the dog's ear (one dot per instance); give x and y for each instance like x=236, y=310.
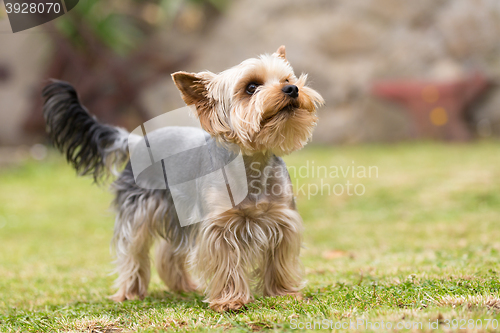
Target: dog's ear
x=280, y=53
x=192, y=86
x=194, y=91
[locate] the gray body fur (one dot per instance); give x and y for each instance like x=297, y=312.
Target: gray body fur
x=261, y=171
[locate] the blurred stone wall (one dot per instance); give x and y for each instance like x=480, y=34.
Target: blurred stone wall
x=345, y=45
x=22, y=60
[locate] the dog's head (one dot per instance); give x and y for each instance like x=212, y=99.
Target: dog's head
x=260, y=104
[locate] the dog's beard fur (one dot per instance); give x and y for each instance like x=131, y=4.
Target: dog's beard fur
x=267, y=121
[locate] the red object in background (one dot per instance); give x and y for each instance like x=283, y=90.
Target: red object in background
x=437, y=108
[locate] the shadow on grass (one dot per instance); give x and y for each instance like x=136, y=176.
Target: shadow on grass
x=184, y=310
x=50, y=316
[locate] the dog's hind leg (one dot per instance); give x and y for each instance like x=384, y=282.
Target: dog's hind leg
x=132, y=241
x=171, y=265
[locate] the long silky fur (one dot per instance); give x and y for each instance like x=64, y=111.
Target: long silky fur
x=253, y=247
x=90, y=147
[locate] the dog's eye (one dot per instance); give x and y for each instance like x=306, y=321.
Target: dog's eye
x=287, y=81
x=251, y=88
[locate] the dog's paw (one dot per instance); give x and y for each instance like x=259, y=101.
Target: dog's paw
x=190, y=287
x=185, y=286
x=284, y=292
x=118, y=297
x=121, y=296
x=231, y=305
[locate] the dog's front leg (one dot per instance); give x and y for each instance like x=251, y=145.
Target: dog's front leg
x=222, y=261
x=282, y=270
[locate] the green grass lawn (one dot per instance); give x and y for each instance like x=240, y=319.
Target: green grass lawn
x=422, y=244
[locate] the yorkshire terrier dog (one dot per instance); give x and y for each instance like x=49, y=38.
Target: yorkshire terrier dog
x=258, y=105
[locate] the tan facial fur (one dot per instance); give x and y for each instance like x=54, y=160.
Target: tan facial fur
x=269, y=119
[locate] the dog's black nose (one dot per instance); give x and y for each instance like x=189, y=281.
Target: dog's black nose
x=291, y=90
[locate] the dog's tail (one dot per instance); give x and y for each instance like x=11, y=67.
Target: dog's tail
x=90, y=147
